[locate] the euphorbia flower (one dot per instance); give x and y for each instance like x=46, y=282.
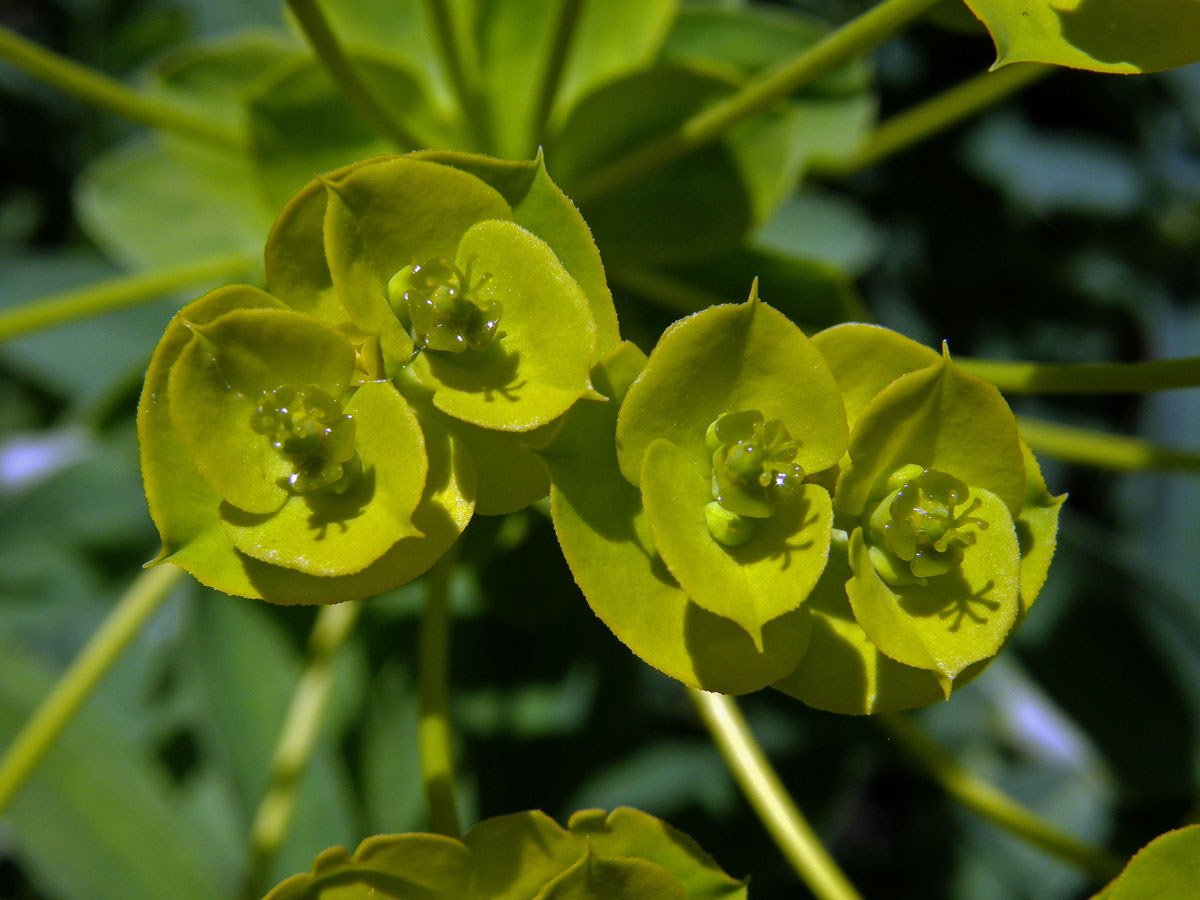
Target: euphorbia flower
x=473, y=284
x=733, y=405
x=946, y=526
x=271, y=473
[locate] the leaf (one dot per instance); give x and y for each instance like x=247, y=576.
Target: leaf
x=938, y=418
x=532, y=374
x=429, y=866
x=399, y=30
x=539, y=206
x=842, y=671
x=210, y=79
x=1037, y=530
x=510, y=475
x=594, y=878
x=611, y=40
x=517, y=855
x=288, y=152
x=956, y=619
x=1168, y=868
x=690, y=209
x=606, y=540
x=1126, y=36
x=865, y=359
x=150, y=205
x=727, y=359
x=627, y=832
x=828, y=118
x=62, y=823
x=515, y=44
x=388, y=213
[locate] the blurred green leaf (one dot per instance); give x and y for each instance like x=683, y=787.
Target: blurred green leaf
x=148, y=204
x=98, y=821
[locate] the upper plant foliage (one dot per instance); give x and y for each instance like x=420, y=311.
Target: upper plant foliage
x=851, y=519
x=328, y=439
x=1126, y=36
x=598, y=856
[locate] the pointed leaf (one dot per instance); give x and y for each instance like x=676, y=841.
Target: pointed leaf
x=937, y=418
x=1124, y=36
x=388, y=213
x=727, y=359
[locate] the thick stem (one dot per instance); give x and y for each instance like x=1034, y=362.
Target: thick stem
x=436, y=745
x=111, y=95
x=762, y=787
x=996, y=806
x=116, y=293
x=1086, y=378
x=937, y=114
x=854, y=38
x=297, y=739
x=1108, y=451
x=559, y=50
x=357, y=92
x=105, y=647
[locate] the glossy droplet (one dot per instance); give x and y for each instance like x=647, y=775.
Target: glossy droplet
x=446, y=308
x=308, y=427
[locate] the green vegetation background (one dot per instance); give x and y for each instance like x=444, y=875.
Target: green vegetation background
x=1064, y=226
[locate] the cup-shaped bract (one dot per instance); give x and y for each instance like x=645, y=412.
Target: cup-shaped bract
x=273, y=471
x=471, y=283
x=945, y=527
x=600, y=856
x=734, y=406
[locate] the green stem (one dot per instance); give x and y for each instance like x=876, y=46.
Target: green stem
x=1108, y=451
x=357, y=92
x=105, y=647
x=567, y=17
x=941, y=112
x=778, y=812
x=1086, y=378
x=996, y=806
x=116, y=293
x=297, y=739
x=464, y=76
x=854, y=38
x=109, y=94
x=437, y=755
